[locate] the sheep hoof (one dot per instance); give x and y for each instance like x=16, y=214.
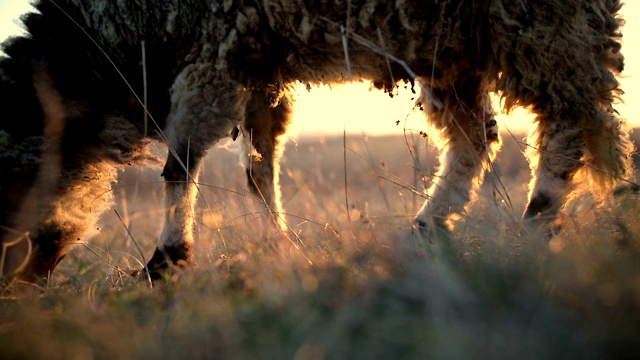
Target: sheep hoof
x=164, y=263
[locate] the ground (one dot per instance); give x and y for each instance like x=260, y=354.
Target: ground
x=352, y=287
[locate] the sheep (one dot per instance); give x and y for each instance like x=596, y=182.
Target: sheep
x=72, y=114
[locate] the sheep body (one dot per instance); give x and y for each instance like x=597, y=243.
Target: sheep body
x=212, y=67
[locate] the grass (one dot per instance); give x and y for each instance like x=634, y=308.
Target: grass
x=357, y=288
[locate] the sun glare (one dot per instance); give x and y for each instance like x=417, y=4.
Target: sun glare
x=10, y=12
x=356, y=108
x=359, y=108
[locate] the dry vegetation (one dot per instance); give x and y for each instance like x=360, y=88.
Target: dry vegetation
x=358, y=289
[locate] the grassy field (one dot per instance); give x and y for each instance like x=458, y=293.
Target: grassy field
x=355, y=286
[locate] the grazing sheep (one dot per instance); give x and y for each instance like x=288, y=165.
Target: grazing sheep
x=217, y=68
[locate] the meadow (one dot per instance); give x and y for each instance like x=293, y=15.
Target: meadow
x=350, y=284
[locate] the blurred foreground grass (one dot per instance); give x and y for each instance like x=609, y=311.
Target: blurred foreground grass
x=351, y=287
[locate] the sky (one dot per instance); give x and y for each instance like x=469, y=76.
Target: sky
x=356, y=109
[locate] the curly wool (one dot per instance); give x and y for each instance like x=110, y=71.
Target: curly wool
x=213, y=67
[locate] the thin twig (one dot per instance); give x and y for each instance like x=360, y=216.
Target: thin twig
x=144, y=87
x=376, y=49
x=186, y=170
x=345, y=48
x=411, y=147
x=417, y=167
x=133, y=92
x=394, y=179
x=397, y=180
x=113, y=263
x=386, y=58
x=144, y=260
x=435, y=57
x=346, y=183
x=375, y=170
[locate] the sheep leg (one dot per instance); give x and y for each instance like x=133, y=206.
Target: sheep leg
x=266, y=120
x=57, y=213
x=177, y=233
x=468, y=139
x=205, y=109
x=555, y=158
x=45, y=217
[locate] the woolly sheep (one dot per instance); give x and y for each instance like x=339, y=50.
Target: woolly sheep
x=70, y=121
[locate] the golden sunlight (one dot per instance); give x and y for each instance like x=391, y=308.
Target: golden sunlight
x=10, y=12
